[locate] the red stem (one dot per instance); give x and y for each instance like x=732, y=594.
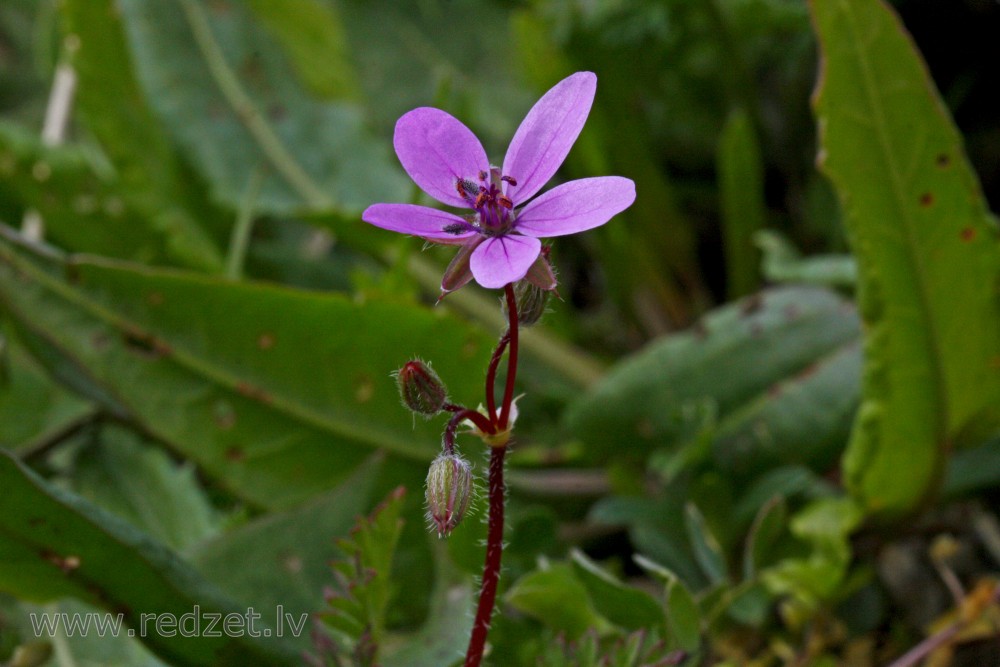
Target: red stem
x=477, y=418
x=494, y=537
x=508, y=392
x=491, y=568
x=491, y=377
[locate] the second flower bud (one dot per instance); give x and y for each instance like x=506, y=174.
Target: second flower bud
x=421, y=389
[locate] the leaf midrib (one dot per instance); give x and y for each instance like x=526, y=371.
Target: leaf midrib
x=880, y=126
x=222, y=378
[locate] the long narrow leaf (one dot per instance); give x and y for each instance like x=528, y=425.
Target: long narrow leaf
x=926, y=250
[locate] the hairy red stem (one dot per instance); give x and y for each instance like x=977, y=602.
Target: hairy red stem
x=494, y=536
x=508, y=392
x=491, y=377
x=477, y=418
x=491, y=568
x=481, y=421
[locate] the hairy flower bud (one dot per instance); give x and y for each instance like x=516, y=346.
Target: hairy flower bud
x=531, y=302
x=420, y=388
x=449, y=492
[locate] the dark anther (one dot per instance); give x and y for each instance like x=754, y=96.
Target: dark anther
x=483, y=176
x=466, y=188
x=481, y=199
x=455, y=228
x=509, y=179
x=505, y=201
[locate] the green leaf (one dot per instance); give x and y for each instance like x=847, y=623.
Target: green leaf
x=149, y=174
x=359, y=604
x=53, y=544
x=278, y=393
x=556, y=597
x=973, y=469
x=783, y=263
x=313, y=37
x=291, y=550
x=443, y=638
x=656, y=528
x=825, y=526
x=558, y=652
x=225, y=92
x=409, y=56
x=33, y=409
x=746, y=362
x=767, y=526
x=826, y=522
x=707, y=549
x=741, y=189
x=748, y=603
x=927, y=256
x=642, y=648
x=804, y=419
x=786, y=481
x=81, y=211
x=142, y=485
x=626, y=607
x=682, y=611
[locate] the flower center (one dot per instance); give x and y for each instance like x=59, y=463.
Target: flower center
x=494, y=210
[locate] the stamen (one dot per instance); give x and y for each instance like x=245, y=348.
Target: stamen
x=509, y=179
x=483, y=176
x=505, y=201
x=455, y=228
x=466, y=188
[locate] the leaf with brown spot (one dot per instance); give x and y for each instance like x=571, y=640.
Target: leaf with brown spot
x=305, y=414
x=927, y=273
x=739, y=366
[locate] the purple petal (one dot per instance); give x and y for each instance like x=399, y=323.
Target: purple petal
x=437, y=150
x=547, y=133
x=576, y=206
x=416, y=220
x=504, y=259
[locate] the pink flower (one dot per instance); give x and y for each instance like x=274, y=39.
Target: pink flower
x=499, y=239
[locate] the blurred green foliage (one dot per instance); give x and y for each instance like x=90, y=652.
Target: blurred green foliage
x=759, y=427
